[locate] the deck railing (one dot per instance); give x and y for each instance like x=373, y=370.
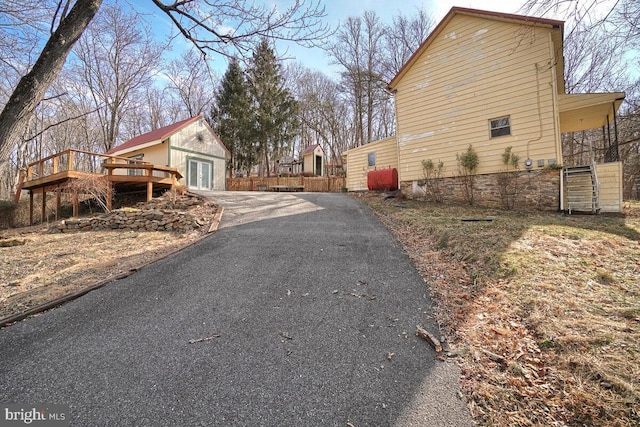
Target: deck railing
x=53, y=171
x=77, y=161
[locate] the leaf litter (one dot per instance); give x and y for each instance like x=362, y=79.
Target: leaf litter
x=541, y=310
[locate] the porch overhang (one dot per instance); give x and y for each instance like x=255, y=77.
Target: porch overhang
x=584, y=111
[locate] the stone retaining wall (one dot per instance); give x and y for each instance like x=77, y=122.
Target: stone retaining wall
x=188, y=213
x=540, y=190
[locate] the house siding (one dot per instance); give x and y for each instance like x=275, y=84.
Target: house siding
x=185, y=145
x=476, y=70
x=386, y=152
x=156, y=154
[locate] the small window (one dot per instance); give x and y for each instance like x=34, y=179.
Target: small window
x=371, y=159
x=135, y=160
x=500, y=126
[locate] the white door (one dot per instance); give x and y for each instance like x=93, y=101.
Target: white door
x=199, y=175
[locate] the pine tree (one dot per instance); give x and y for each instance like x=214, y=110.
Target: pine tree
x=275, y=122
x=232, y=118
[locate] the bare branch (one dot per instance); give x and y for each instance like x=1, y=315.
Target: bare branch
x=68, y=119
x=224, y=26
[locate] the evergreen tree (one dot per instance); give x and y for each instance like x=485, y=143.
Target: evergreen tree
x=232, y=118
x=275, y=122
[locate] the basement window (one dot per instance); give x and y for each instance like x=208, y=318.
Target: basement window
x=500, y=126
x=371, y=159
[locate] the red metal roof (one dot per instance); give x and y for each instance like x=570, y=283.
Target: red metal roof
x=309, y=149
x=532, y=20
x=155, y=135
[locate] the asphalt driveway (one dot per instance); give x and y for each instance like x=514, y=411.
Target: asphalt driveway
x=299, y=311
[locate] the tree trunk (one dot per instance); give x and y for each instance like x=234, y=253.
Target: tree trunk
x=33, y=86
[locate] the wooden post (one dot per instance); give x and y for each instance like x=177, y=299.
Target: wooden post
x=44, y=204
x=30, y=207
x=149, y=184
x=109, y=195
x=70, y=165
x=55, y=164
x=75, y=203
x=57, y=201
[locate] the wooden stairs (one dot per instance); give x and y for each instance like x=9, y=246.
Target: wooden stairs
x=582, y=189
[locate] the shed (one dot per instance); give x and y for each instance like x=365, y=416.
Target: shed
x=313, y=160
x=191, y=146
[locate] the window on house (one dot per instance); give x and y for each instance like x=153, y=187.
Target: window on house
x=133, y=160
x=500, y=126
x=371, y=159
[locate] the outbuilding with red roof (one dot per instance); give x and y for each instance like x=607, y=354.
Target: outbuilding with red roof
x=191, y=146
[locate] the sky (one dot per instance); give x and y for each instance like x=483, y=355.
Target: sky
x=337, y=11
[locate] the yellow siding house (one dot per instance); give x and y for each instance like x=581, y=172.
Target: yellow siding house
x=190, y=146
x=494, y=80
x=381, y=154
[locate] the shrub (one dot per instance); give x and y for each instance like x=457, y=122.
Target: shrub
x=467, y=168
x=508, y=180
x=7, y=213
x=432, y=173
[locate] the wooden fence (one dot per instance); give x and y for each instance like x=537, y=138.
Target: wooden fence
x=316, y=184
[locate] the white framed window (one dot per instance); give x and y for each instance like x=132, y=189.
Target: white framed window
x=500, y=126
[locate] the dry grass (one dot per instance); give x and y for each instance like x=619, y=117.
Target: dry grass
x=542, y=310
x=48, y=266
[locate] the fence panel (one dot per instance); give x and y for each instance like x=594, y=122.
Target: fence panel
x=314, y=184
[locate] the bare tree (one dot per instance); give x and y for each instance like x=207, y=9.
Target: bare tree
x=358, y=49
x=192, y=81
x=117, y=58
x=71, y=22
x=601, y=54
x=324, y=118
x=212, y=25
x=23, y=24
x=215, y=25
x=403, y=37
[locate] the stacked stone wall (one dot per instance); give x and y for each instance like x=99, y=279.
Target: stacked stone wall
x=539, y=190
x=187, y=213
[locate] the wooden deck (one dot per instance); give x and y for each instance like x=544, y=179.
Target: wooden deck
x=54, y=173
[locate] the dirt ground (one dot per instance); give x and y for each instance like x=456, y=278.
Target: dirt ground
x=42, y=267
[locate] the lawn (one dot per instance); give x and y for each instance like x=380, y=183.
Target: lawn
x=541, y=310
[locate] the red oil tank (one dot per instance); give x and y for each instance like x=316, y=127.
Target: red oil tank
x=383, y=179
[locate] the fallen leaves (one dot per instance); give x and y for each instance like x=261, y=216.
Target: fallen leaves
x=540, y=310
x=49, y=266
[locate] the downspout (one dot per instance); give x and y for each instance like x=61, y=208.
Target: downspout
x=556, y=118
